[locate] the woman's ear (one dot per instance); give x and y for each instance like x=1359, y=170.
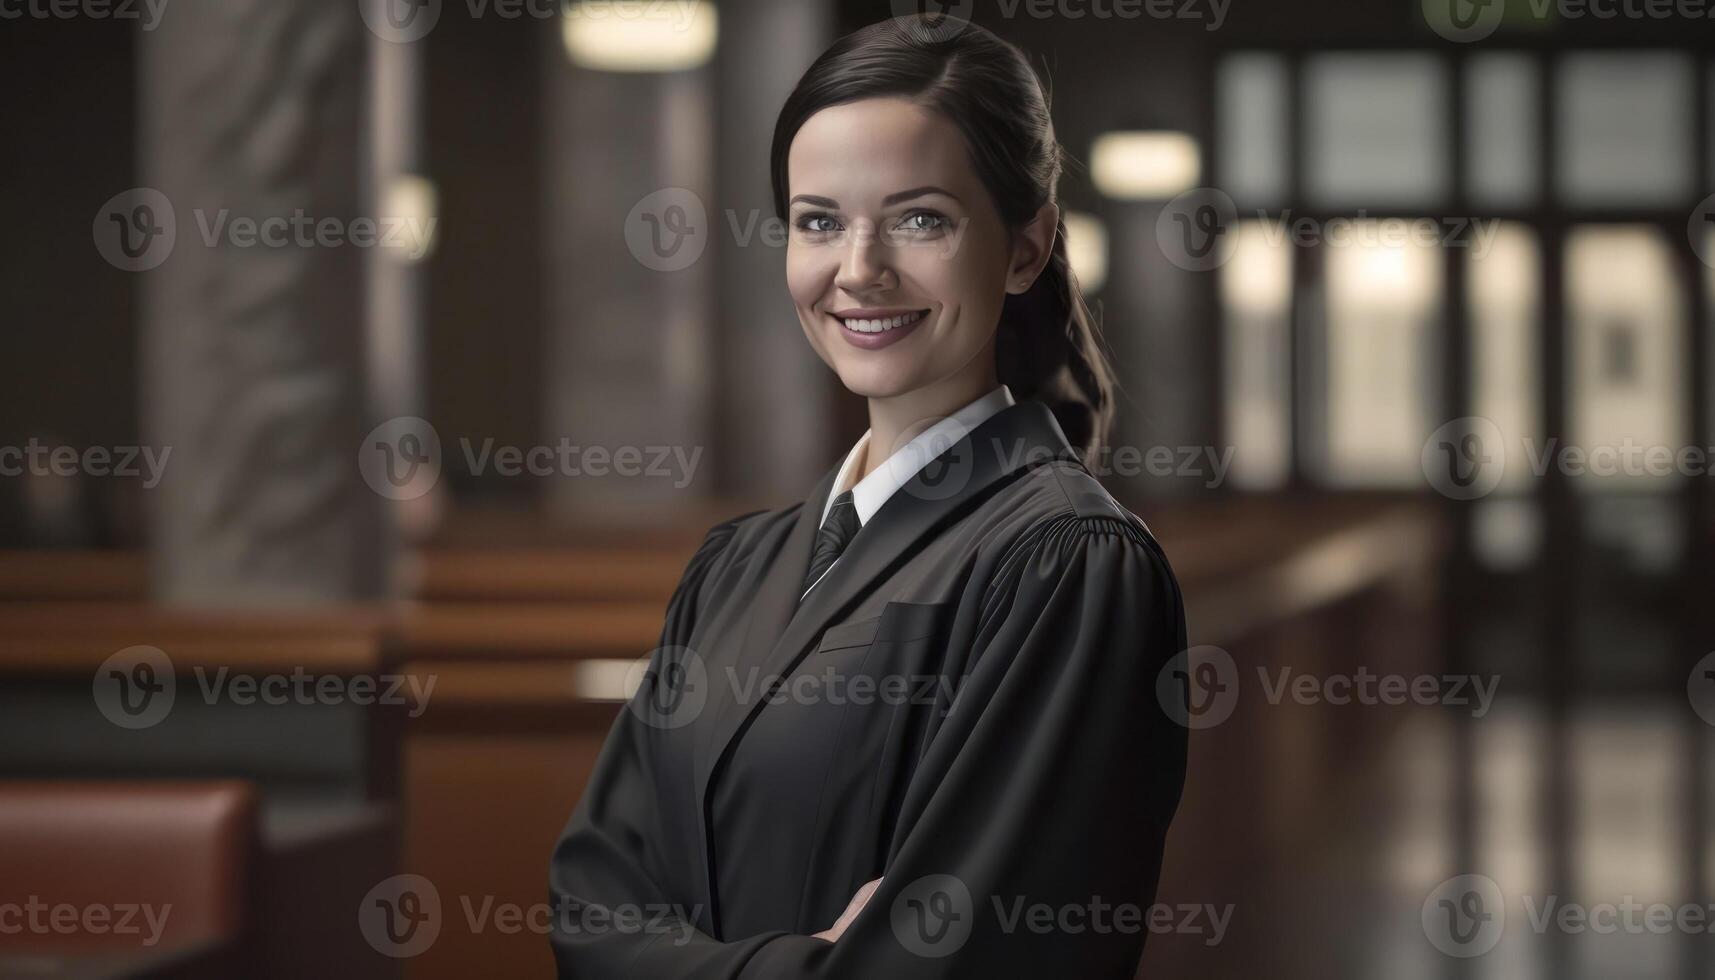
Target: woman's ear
x=1031, y=248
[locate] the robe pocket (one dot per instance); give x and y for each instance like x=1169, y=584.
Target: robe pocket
x=899, y=622
x=848, y=635
x=905, y=621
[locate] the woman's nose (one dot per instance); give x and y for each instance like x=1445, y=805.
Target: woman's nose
x=866, y=265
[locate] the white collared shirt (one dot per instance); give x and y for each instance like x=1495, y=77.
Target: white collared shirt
x=897, y=470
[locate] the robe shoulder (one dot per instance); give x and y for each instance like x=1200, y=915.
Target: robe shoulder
x=1060, y=506
x=726, y=546
x=1059, y=528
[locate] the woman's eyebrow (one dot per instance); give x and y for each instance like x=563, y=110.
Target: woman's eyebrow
x=917, y=192
x=821, y=202
x=888, y=201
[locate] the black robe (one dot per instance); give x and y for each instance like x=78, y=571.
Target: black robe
x=966, y=704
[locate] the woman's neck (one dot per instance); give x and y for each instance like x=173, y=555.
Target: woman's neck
x=898, y=419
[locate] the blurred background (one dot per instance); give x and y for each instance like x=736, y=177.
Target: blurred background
x=370, y=368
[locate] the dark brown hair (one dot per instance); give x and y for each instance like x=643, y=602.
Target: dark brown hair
x=1047, y=347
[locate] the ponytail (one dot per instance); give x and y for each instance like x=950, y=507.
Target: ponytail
x=1049, y=349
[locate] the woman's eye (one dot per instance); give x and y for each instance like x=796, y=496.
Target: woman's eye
x=922, y=222
x=818, y=224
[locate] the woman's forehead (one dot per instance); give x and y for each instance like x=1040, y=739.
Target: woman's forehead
x=860, y=152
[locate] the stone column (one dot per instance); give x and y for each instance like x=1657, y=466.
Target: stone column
x=252, y=353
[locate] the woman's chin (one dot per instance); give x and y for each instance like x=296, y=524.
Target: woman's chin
x=872, y=383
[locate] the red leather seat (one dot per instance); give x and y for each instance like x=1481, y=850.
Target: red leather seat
x=109, y=867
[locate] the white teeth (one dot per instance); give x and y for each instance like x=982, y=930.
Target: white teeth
x=885, y=323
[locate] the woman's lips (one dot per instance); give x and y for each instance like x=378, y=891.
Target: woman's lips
x=875, y=329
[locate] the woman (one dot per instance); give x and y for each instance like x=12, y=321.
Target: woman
x=908, y=727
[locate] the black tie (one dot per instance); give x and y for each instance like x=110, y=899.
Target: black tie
x=837, y=530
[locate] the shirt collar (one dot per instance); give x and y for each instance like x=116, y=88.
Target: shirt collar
x=873, y=490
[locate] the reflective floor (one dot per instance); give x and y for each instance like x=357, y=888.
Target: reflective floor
x=1354, y=903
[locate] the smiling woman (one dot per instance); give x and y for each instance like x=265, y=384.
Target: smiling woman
x=882, y=721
